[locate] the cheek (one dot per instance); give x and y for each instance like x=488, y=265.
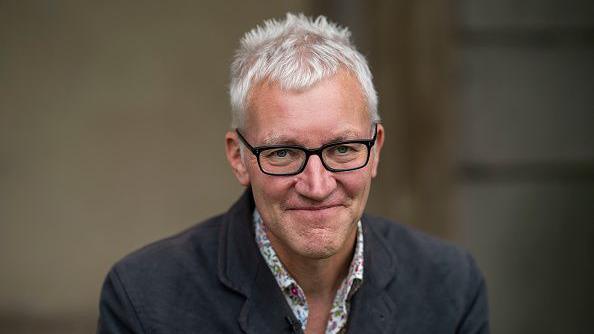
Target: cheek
x=356, y=188
x=356, y=184
x=270, y=191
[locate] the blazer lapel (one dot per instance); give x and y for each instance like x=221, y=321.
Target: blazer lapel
x=373, y=310
x=242, y=268
x=265, y=310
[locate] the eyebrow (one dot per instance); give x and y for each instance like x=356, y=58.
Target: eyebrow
x=281, y=139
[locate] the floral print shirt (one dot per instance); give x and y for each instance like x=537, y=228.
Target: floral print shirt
x=294, y=294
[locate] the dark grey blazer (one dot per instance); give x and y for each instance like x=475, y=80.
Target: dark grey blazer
x=212, y=279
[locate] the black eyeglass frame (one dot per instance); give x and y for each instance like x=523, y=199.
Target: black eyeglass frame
x=309, y=152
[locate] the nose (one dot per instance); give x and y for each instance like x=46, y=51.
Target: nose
x=315, y=182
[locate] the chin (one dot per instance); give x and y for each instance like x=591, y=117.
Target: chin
x=319, y=252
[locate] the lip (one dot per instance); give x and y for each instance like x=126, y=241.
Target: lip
x=314, y=208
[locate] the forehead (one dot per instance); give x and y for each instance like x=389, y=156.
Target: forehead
x=332, y=107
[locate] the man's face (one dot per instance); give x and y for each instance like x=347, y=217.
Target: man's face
x=312, y=214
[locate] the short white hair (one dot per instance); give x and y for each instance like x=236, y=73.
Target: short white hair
x=295, y=53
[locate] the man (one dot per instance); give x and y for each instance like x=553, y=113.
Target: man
x=296, y=253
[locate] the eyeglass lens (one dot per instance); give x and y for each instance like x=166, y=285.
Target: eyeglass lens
x=287, y=160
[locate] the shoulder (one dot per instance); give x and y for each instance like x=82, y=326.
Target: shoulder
x=158, y=275
x=413, y=247
x=181, y=254
x=160, y=283
x=437, y=270
x=169, y=285
x=429, y=278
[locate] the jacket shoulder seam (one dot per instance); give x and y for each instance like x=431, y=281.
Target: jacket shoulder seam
x=130, y=299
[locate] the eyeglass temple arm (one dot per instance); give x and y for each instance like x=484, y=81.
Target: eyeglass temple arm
x=245, y=142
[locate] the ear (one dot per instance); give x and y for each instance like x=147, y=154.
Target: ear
x=377, y=148
x=232, y=149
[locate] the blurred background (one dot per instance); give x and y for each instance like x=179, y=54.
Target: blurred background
x=112, y=117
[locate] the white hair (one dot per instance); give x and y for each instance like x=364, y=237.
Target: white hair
x=296, y=53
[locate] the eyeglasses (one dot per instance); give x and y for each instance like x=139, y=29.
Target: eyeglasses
x=286, y=160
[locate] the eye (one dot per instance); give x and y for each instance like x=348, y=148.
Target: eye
x=280, y=153
x=343, y=149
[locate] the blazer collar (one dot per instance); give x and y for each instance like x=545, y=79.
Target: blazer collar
x=242, y=268
x=373, y=310
x=238, y=254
